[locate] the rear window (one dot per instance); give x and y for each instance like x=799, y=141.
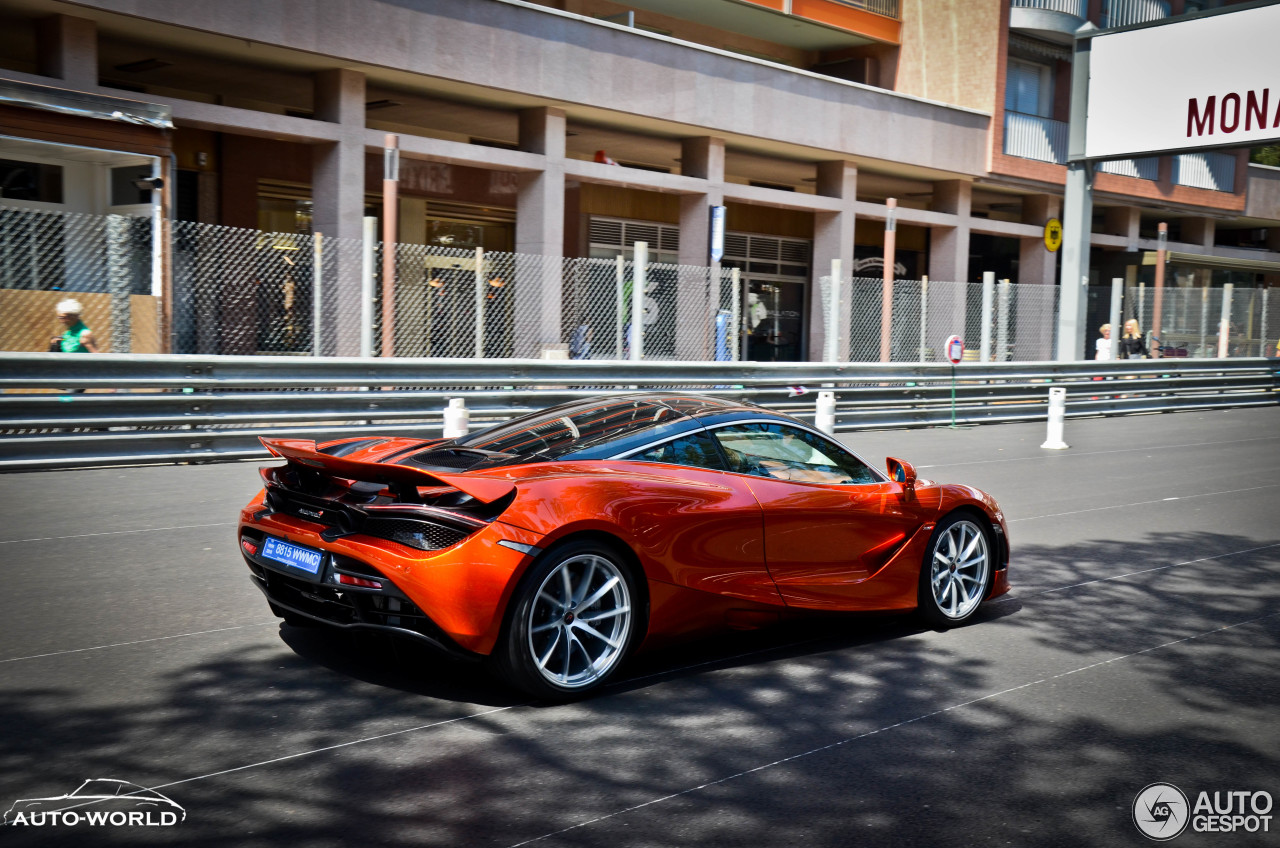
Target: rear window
x=565, y=429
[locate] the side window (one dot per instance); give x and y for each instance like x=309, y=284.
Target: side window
x=789, y=453
x=696, y=449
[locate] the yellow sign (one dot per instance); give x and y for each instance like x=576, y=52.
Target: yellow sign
x=1053, y=235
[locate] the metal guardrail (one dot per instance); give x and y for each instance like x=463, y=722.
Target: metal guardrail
x=144, y=409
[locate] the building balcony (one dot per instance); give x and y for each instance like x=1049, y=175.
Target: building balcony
x=1118, y=13
x=1033, y=137
x=1050, y=20
x=1146, y=168
x=888, y=8
x=1211, y=170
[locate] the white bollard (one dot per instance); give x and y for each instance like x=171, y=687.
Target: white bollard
x=1057, y=414
x=456, y=418
x=825, y=419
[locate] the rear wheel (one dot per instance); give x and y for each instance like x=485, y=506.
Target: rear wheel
x=957, y=569
x=572, y=621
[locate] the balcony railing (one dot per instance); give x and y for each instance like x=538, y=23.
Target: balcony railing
x=1033, y=137
x=1079, y=8
x=1118, y=13
x=1147, y=168
x=1211, y=170
x=888, y=8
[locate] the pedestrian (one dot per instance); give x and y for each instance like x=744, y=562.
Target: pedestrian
x=1102, y=346
x=76, y=337
x=1132, y=344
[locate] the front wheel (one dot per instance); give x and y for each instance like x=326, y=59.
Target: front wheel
x=956, y=573
x=572, y=621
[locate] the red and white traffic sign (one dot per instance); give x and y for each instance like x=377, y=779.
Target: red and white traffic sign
x=955, y=349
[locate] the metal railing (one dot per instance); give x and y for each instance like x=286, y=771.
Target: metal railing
x=1146, y=168
x=1034, y=137
x=1118, y=13
x=888, y=8
x=1078, y=8
x=1211, y=170
x=173, y=408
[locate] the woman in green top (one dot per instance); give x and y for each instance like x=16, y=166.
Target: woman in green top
x=78, y=338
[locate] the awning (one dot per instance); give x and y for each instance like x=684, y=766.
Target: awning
x=1226, y=263
x=85, y=105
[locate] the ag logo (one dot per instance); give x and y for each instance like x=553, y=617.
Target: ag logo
x=1161, y=811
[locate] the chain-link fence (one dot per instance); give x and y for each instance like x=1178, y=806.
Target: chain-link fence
x=209, y=289
x=1192, y=320
x=1008, y=322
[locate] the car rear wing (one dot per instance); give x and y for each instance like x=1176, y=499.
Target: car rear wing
x=302, y=452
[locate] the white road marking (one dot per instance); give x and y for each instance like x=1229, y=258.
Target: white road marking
x=888, y=727
x=139, y=641
x=118, y=532
x=1145, y=503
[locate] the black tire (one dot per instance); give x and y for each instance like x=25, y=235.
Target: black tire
x=571, y=623
x=957, y=571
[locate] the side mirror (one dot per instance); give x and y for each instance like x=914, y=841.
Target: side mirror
x=903, y=472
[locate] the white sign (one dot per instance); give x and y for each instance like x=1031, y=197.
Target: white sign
x=1206, y=82
x=955, y=349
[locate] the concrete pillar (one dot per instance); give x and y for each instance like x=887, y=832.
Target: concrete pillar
x=832, y=239
x=1123, y=221
x=540, y=233
x=702, y=158
x=337, y=196
x=1033, y=321
x=949, y=267
x=949, y=246
x=67, y=49
x=1199, y=231
x=1035, y=263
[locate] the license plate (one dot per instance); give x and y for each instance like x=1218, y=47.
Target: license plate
x=299, y=557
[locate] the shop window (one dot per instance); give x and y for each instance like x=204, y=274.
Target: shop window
x=30, y=181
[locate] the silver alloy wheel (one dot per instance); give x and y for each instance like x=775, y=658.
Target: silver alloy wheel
x=579, y=620
x=960, y=566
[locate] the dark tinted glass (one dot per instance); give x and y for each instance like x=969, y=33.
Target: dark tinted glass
x=561, y=430
x=697, y=450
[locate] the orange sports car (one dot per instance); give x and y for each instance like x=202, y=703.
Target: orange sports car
x=557, y=543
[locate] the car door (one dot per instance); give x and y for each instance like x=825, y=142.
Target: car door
x=830, y=521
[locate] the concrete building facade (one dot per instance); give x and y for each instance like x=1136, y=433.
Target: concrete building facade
x=575, y=128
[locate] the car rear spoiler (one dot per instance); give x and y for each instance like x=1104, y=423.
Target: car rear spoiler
x=303, y=452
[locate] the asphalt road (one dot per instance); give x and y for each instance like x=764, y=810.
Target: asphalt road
x=1141, y=644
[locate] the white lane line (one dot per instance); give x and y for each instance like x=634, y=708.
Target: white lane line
x=340, y=745
x=886, y=728
x=1057, y=454
x=139, y=641
x=118, y=532
x=1149, y=570
x=1145, y=503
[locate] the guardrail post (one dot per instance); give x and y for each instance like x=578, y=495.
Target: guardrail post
x=1057, y=415
x=1117, y=287
x=366, y=286
x=479, y=306
x=825, y=415
x=639, y=277
x=988, y=297
x=317, y=269
x=457, y=419
x=1224, y=324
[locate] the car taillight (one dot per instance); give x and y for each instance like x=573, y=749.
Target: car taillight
x=348, y=580
x=249, y=547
